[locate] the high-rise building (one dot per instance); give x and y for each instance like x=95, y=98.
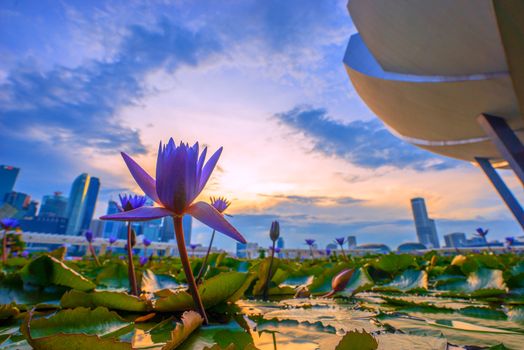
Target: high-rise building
x=352, y=242
x=8, y=175
x=44, y=224
x=426, y=228
x=167, y=231
x=81, y=204
x=113, y=228
x=455, y=239
x=17, y=200
x=90, y=202
x=97, y=227
x=54, y=206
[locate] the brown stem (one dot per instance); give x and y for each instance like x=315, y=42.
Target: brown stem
x=268, y=280
x=204, y=263
x=193, y=289
x=4, y=247
x=130, y=264
x=93, y=253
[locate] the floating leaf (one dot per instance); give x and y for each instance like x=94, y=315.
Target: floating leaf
x=190, y=322
x=393, y=263
x=407, y=281
x=80, y=329
x=46, y=270
x=112, y=300
x=113, y=275
x=355, y=340
x=227, y=286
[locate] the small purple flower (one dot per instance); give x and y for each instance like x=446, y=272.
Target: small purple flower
x=146, y=242
x=25, y=254
x=9, y=223
x=310, y=242
x=193, y=246
x=340, y=240
x=122, y=257
x=130, y=202
x=482, y=233
x=143, y=260
x=328, y=251
x=15, y=254
x=89, y=236
x=277, y=250
x=510, y=241
x=112, y=240
x=220, y=203
x=181, y=175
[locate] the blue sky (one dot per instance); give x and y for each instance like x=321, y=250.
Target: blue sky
x=82, y=81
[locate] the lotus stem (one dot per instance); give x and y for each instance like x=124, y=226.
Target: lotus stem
x=130, y=264
x=344, y=253
x=266, y=286
x=93, y=253
x=4, y=247
x=193, y=289
x=274, y=341
x=311, y=251
x=204, y=263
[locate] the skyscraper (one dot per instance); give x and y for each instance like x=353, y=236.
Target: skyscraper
x=426, y=228
x=81, y=204
x=113, y=228
x=8, y=175
x=455, y=240
x=54, y=206
x=167, y=231
x=90, y=202
x=352, y=242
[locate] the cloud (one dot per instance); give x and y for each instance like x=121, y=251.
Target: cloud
x=316, y=200
x=364, y=143
x=79, y=106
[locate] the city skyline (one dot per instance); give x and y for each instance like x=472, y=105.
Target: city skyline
x=299, y=144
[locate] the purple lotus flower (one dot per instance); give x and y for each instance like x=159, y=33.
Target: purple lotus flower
x=310, y=242
x=9, y=223
x=193, y=246
x=130, y=202
x=112, y=239
x=277, y=250
x=482, y=233
x=220, y=203
x=510, y=241
x=25, y=254
x=143, y=260
x=89, y=236
x=146, y=242
x=180, y=177
x=328, y=251
x=340, y=240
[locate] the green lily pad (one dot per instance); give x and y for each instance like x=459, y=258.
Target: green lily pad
x=46, y=270
x=79, y=328
x=111, y=300
x=407, y=281
x=394, y=263
x=227, y=286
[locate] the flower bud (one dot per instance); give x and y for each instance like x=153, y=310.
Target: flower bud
x=341, y=280
x=274, y=232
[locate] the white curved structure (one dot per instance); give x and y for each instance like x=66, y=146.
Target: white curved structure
x=428, y=69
